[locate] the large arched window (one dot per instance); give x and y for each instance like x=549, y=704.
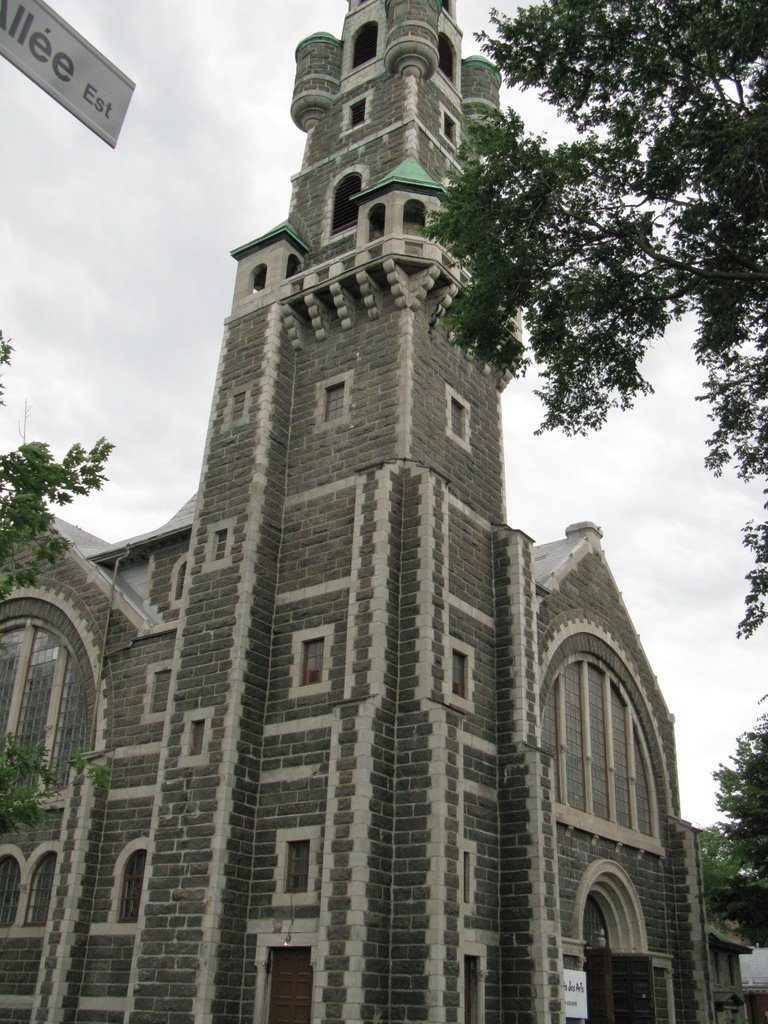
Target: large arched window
x=600, y=764
x=42, y=699
x=10, y=877
x=40, y=890
x=365, y=44
x=344, y=209
x=133, y=882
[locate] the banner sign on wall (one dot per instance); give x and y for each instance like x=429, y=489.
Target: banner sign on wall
x=57, y=58
x=575, y=994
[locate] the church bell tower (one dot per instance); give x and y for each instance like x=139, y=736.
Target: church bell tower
x=334, y=678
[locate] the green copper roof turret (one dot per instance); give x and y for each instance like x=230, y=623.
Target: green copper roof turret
x=408, y=175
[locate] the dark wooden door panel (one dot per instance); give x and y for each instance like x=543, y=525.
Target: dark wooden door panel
x=290, y=996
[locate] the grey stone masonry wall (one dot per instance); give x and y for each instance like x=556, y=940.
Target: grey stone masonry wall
x=528, y=906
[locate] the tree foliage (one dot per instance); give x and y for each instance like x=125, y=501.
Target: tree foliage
x=28, y=782
x=658, y=208
x=31, y=481
x=735, y=852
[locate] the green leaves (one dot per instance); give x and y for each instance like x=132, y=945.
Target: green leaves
x=735, y=852
x=28, y=782
x=658, y=207
x=31, y=481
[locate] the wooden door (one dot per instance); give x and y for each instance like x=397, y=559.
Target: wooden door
x=633, y=1000
x=599, y=985
x=290, y=994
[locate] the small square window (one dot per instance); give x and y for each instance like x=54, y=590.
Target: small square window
x=312, y=662
x=449, y=128
x=459, y=674
x=297, y=866
x=334, y=401
x=357, y=113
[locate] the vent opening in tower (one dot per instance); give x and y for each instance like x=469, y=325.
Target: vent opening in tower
x=365, y=44
x=344, y=209
x=445, y=56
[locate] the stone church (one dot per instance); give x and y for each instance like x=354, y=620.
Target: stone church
x=375, y=755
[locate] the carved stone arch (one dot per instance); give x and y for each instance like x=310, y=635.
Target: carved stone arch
x=588, y=639
x=613, y=890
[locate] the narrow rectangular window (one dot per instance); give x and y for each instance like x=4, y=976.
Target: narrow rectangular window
x=312, y=662
x=459, y=674
x=471, y=989
x=334, y=401
x=161, y=682
x=458, y=419
x=220, y=544
x=574, y=738
x=449, y=128
x=238, y=405
x=197, y=736
x=467, y=877
x=357, y=113
x=297, y=866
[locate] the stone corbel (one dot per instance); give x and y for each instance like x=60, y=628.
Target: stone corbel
x=345, y=305
x=443, y=302
x=398, y=284
x=421, y=285
x=370, y=292
x=318, y=314
x=293, y=327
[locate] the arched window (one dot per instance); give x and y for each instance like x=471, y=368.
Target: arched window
x=133, y=882
x=365, y=44
x=260, y=278
x=414, y=217
x=10, y=877
x=600, y=765
x=344, y=210
x=445, y=57
x=40, y=890
x=40, y=678
x=292, y=265
x=595, y=926
x=377, y=219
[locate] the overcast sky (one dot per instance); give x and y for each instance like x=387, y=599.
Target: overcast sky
x=116, y=278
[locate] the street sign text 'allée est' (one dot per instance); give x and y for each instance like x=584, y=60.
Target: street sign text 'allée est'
x=57, y=58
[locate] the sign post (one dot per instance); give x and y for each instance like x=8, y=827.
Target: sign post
x=57, y=58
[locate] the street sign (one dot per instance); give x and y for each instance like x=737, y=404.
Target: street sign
x=57, y=58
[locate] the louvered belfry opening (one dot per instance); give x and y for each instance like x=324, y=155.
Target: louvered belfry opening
x=445, y=56
x=366, y=42
x=344, y=209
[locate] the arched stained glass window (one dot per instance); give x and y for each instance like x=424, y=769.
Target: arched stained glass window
x=40, y=890
x=42, y=697
x=599, y=764
x=10, y=877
